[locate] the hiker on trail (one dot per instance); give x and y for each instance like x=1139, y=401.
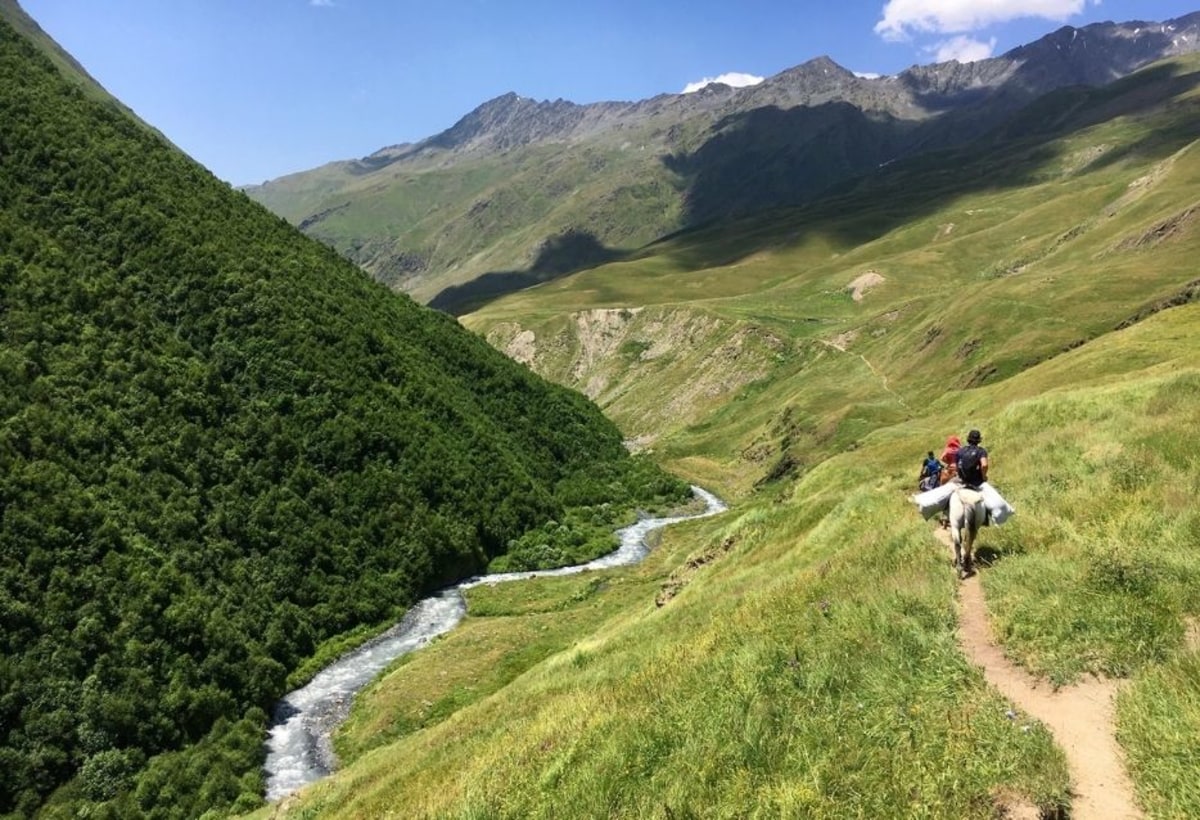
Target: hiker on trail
x=972, y=462
x=950, y=457
x=931, y=473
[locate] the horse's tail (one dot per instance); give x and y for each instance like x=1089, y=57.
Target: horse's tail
x=973, y=508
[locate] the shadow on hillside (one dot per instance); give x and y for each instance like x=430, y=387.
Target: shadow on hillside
x=772, y=159
x=569, y=252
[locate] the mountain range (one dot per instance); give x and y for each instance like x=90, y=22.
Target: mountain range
x=521, y=191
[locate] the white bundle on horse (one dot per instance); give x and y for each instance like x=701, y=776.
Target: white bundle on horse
x=931, y=502
x=937, y=500
x=999, y=510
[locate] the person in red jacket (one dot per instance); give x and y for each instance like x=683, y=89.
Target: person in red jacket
x=950, y=458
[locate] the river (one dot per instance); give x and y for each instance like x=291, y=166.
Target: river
x=300, y=745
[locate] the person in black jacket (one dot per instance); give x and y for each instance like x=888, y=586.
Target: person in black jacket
x=972, y=461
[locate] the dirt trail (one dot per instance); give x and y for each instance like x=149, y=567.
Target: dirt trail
x=840, y=348
x=1080, y=717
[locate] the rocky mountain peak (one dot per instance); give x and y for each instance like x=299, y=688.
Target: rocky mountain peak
x=819, y=72
x=508, y=121
x=1102, y=52
x=815, y=82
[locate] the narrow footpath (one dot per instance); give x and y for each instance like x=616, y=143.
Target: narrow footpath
x=1080, y=717
x=883, y=381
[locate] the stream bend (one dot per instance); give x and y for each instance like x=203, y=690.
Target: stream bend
x=300, y=745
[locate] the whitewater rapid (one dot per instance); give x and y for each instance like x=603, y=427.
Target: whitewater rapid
x=300, y=745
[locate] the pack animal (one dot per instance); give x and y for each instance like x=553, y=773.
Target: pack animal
x=967, y=515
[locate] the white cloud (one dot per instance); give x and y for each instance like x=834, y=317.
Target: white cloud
x=734, y=78
x=962, y=48
x=901, y=18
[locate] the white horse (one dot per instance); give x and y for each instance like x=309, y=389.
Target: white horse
x=967, y=512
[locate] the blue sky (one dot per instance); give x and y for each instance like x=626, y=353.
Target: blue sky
x=255, y=89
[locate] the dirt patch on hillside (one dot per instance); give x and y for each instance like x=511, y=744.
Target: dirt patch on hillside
x=638, y=444
x=860, y=286
x=522, y=347
x=967, y=348
x=1080, y=717
x=669, y=331
x=1163, y=231
x=739, y=360
x=600, y=332
x=514, y=341
x=1010, y=805
x=683, y=575
x=844, y=340
x=706, y=357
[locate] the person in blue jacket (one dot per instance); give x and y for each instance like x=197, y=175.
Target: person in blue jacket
x=931, y=472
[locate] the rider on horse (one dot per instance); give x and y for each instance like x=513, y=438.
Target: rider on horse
x=972, y=461
x=967, y=511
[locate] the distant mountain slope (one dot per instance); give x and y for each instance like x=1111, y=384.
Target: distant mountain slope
x=221, y=445
x=970, y=265
x=482, y=207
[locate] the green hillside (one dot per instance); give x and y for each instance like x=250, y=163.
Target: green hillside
x=225, y=453
x=797, y=657
x=424, y=227
x=968, y=259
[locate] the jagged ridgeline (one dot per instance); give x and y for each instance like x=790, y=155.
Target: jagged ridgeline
x=220, y=445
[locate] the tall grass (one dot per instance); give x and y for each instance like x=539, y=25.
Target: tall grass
x=795, y=677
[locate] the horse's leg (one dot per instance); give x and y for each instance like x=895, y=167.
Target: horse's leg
x=956, y=522
x=974, y=518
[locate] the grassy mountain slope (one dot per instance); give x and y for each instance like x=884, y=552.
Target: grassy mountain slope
x=801, y=658
x=974, y=253
x=222, y=446
x=809, y=666
x=426, y=226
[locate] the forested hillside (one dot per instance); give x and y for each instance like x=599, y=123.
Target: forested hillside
x=220, y=446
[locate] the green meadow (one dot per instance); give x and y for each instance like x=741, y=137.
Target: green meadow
x=796, y=656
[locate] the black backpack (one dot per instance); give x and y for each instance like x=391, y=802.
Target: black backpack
x=969, y=469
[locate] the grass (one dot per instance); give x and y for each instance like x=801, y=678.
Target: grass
x=1159, y=718
x=777, y=680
